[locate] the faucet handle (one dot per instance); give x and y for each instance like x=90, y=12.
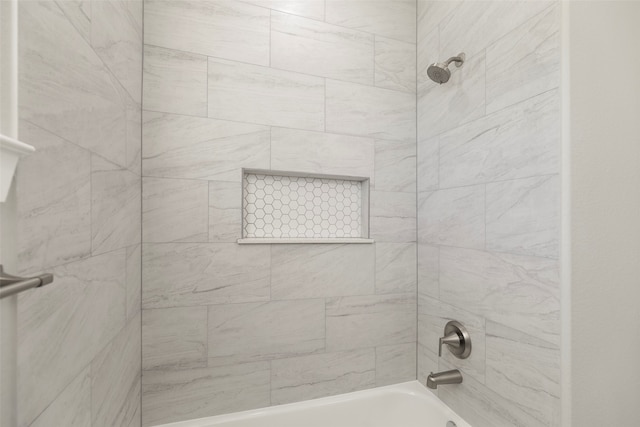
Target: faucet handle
x=457, y=338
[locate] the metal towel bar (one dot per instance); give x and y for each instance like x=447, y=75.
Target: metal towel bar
x=11, y=285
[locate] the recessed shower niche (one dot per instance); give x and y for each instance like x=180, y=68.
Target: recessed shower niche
x=291, y=207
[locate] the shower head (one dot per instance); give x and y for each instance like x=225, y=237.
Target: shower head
x=439, y=72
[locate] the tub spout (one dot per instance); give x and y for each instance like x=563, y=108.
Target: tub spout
x=447, y=377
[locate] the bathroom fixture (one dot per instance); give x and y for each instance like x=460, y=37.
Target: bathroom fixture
x=11, y=285
x=457, y=339
x=439, y=71
x=447, y=377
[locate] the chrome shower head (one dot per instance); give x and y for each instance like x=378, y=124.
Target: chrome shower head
x=439, y=72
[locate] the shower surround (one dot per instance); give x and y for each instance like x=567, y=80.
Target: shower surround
x=289, y=86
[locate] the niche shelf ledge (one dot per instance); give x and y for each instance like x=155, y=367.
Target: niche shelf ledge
x=11, y=150
x=267, y=240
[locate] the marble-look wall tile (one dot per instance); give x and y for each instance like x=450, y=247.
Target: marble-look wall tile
x=319, y=271
x=87, y=306
x=115, y=206
x=462, y=99
x=174, y=338
x=369, y=321
x=395, y=268
x=453, y=217
x=262, y=331
x=250, y=93
x=116, y=36
x=395, y=64
x=194, y=393
x=368, y=111
x=517, y=142
x=312, y=47
x=134, y=135
x=319, y=375
x=395, y=364
x=313, y=9
x=427, y=362
x=220, y=28
x=428, y=165
x=225, y=211
x=64, y=86
x=187, y=274
x=115, y=379
x=394, y=19
x=55, y=212
x=433, y=315
x=78, y=12
x=515, y=290
x=393, y=217
x=175, y=210
x=174, y=81
x=428, y=270
x=200, y=148
x=72, y=407
x=524, y=63
x=428, y=52
x=395, y=166
x=523, y=369
x=133, y=280
x=523, y=216
x=322, y=153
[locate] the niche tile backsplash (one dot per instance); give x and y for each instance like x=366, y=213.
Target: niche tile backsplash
x=279, y=206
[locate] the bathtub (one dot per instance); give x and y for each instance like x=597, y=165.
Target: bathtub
x=408, y=404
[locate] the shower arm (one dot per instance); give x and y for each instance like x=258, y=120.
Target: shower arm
x=459, y=60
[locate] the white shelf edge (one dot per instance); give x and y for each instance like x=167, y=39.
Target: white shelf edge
x=11, y=144
x=270, y=240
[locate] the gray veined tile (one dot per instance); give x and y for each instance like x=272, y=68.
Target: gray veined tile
x=322, y=153
x=174, y=338
x=461, y=99
x=368, y=111
x=134, y=135
x=115, y=206
x=519, y=141
x=427, y=362
x=428, y=164
x=432, y=12
x=78, y=12
x=454, y=217
x=395, y=65
x=524, y=370
x=115, y=379
x=116, y=36
x=395, y=268
x=221, y=28
x=433, y=315
x=251, y=93
x=64, y=86
x=395, y=364
x=313, y=9
x=263, y=331
x=186, y=274
x=200, y=148
x=395, y=166
x=133, y=280
x=72, y=407
x=523, y=216
x=515, y=290
x=175, y=210
x=174, y=81
x=86, y=306
x=318, y=271
x=393, y=217
x=319, y=375
x=54, y=212
x=225, y=211
x=313, y=47
x=525, y=62
x=428, y=270
x=177, y=395
x=369, y=321
x=428, y=44
x=394, y=19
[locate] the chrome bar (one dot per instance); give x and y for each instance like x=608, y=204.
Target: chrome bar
x=11, y=285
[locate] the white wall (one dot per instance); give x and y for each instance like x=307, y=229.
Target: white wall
x=604, y=151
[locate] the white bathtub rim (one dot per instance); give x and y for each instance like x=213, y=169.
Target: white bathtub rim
x=412, y=388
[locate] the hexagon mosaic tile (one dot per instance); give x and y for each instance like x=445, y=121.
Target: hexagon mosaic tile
x=276, y=206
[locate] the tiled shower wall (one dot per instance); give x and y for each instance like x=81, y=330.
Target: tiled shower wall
x=80, y=72
x=488, y=206
x=305, y=86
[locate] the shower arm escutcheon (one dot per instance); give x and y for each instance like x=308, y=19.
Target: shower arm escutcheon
x=457, y=339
